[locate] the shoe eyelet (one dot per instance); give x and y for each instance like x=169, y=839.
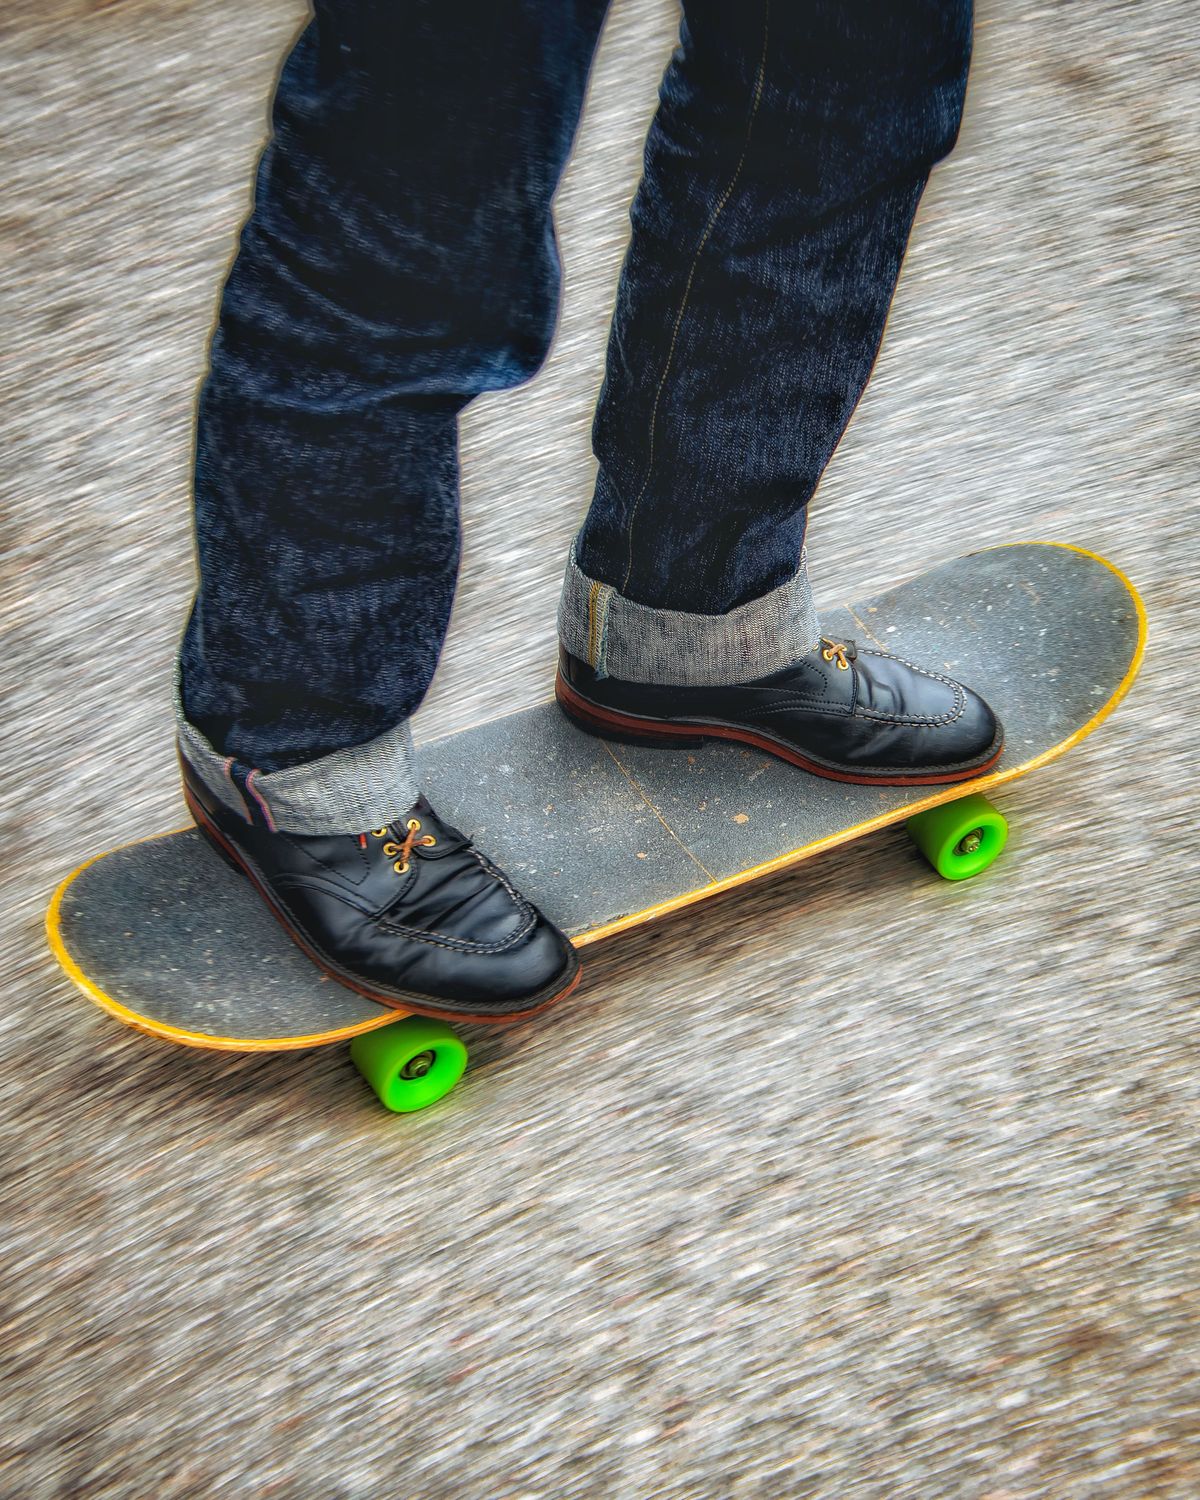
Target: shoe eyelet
x=413, y=825
x=428, y=841
x=391, y=850
x=379, y=833
x=401, y=869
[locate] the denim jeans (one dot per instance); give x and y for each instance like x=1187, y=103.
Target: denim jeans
x=400, y=258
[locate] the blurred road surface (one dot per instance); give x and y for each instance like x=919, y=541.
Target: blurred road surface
x=850, y=1184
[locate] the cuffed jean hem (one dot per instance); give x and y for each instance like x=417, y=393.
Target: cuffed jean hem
x=635, y=643
x=350, y=791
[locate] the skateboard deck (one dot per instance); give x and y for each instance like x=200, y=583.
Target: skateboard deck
x=605, y=836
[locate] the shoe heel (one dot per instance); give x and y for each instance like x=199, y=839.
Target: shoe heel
x=629, y=737
x=220, y=852
x=607, y=726
x=212, y=839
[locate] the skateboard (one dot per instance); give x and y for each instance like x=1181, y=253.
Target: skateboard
x=605, y=836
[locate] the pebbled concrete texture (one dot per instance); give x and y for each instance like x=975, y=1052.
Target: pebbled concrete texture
x=850, y=1184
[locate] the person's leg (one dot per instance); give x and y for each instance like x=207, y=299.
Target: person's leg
x=400, y=259
x=782, y=172
x=783, y=169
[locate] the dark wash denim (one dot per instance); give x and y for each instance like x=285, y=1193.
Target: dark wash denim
x=400, y=258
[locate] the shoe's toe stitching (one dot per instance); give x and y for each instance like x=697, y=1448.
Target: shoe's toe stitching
x=497, y=874
x=960, y=697
x=523, y=908
x=802, y=705
x=461, y=945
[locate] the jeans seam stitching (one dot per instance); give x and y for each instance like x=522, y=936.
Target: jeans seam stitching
x=242, y=810
x=598, y=599
x=261, y=800
x=711, y=225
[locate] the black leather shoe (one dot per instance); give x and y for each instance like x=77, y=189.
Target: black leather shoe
x=842, y=711
x=411, y=915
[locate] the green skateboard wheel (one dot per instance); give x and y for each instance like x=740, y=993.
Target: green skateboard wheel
x=959, y=839
x=410, y=1064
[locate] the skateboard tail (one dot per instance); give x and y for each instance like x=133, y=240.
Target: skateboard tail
x=163, y=1030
